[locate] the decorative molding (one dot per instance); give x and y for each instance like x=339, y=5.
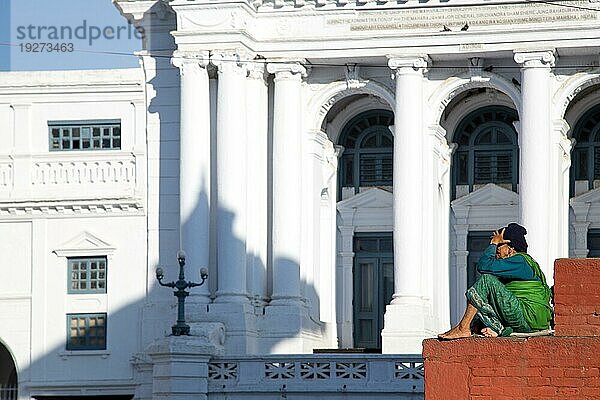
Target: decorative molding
x=455, y=85
x=101, y=170
x=535, y=59
x=570, y=88
x=6, y=173
x=324, y=99
x=235, y=60
x=370, y=198
x=137, y=10
x=353, y=80
x=186, y=59
x=285, y=70
x=84, y=244
x=407, y=65
x=489, y=195
x=256, y=70
x=62, y=209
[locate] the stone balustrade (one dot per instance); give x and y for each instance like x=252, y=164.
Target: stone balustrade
x=317, y=376
x=80, y=176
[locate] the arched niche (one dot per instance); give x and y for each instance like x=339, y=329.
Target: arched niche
x=454, y=86
x=323, y=101
x=576, y=86
x=8, y=374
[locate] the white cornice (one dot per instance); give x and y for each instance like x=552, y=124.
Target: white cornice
x=137, y=10
x=83, y=81
x=319, y=5
x=70, y=209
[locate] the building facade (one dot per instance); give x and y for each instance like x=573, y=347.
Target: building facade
x=336, y=165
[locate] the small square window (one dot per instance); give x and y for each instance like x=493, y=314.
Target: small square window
x=86, y=331
x=87, y=275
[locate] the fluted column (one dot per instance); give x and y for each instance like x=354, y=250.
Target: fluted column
x=287, y=170
x=194, y=162
x=231, y=176
x=535, y=199
x=407, y=301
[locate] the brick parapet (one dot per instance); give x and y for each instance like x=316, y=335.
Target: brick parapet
x=563, y=366
x=577, y=297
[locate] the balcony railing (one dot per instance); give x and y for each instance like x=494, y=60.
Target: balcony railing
x=70, y=175
x=325, y=376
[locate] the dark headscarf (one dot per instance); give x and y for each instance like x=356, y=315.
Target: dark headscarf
x=516, y=234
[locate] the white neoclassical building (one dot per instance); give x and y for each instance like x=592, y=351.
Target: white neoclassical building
x=337, y=166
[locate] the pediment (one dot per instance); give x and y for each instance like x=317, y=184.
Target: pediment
x=84, y=244
x=371, y=198
x=593, y=196
x=488, y=195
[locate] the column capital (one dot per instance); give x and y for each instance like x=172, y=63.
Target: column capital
x=287, y=70
x=183, y=59
x=233, y=59
x=533, y=59
x=408, y=64
x=256, y=70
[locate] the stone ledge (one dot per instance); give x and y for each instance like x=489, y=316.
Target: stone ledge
x=520, y=368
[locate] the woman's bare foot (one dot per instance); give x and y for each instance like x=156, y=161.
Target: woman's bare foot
x=488, y=332
x=455, y=333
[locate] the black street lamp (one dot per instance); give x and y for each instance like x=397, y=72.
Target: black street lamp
x=181, y=328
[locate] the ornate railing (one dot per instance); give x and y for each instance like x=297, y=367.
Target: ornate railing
x=71, y=175
x=86, y=169
x=324, y=375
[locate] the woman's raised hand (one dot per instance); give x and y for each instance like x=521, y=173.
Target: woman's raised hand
x=498, y=237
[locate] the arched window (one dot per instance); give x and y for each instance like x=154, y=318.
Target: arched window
x=487, y=149
x=586, y=153
x=368, y=148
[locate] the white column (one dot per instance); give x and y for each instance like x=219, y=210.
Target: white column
x=287, y=170
x=404, y=326
x=535, y=202
x=562, y=151
x=257, y=126
x=231, y=177
x=194, y=164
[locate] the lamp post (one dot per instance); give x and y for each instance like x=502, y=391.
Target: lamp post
x=181, y=328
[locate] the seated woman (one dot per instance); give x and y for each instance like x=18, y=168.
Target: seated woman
x=511, y=294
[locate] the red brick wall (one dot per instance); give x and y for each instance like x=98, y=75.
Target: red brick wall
x=577, y=297
x=563, y=366
x=510, y=368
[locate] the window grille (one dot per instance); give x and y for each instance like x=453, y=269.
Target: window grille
x=87, y=275
x=84, y=135
x=367, y=159
x=86, y=331
x=586, y=153
x=487, y=149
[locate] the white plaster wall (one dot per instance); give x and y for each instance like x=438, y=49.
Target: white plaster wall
x=35, y=221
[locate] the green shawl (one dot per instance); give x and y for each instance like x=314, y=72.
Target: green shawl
x=534, y=296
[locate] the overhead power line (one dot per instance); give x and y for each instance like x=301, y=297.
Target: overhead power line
x=487, y=67
x=557, y=3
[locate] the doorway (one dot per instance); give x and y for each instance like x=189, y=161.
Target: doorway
x=373, y=286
